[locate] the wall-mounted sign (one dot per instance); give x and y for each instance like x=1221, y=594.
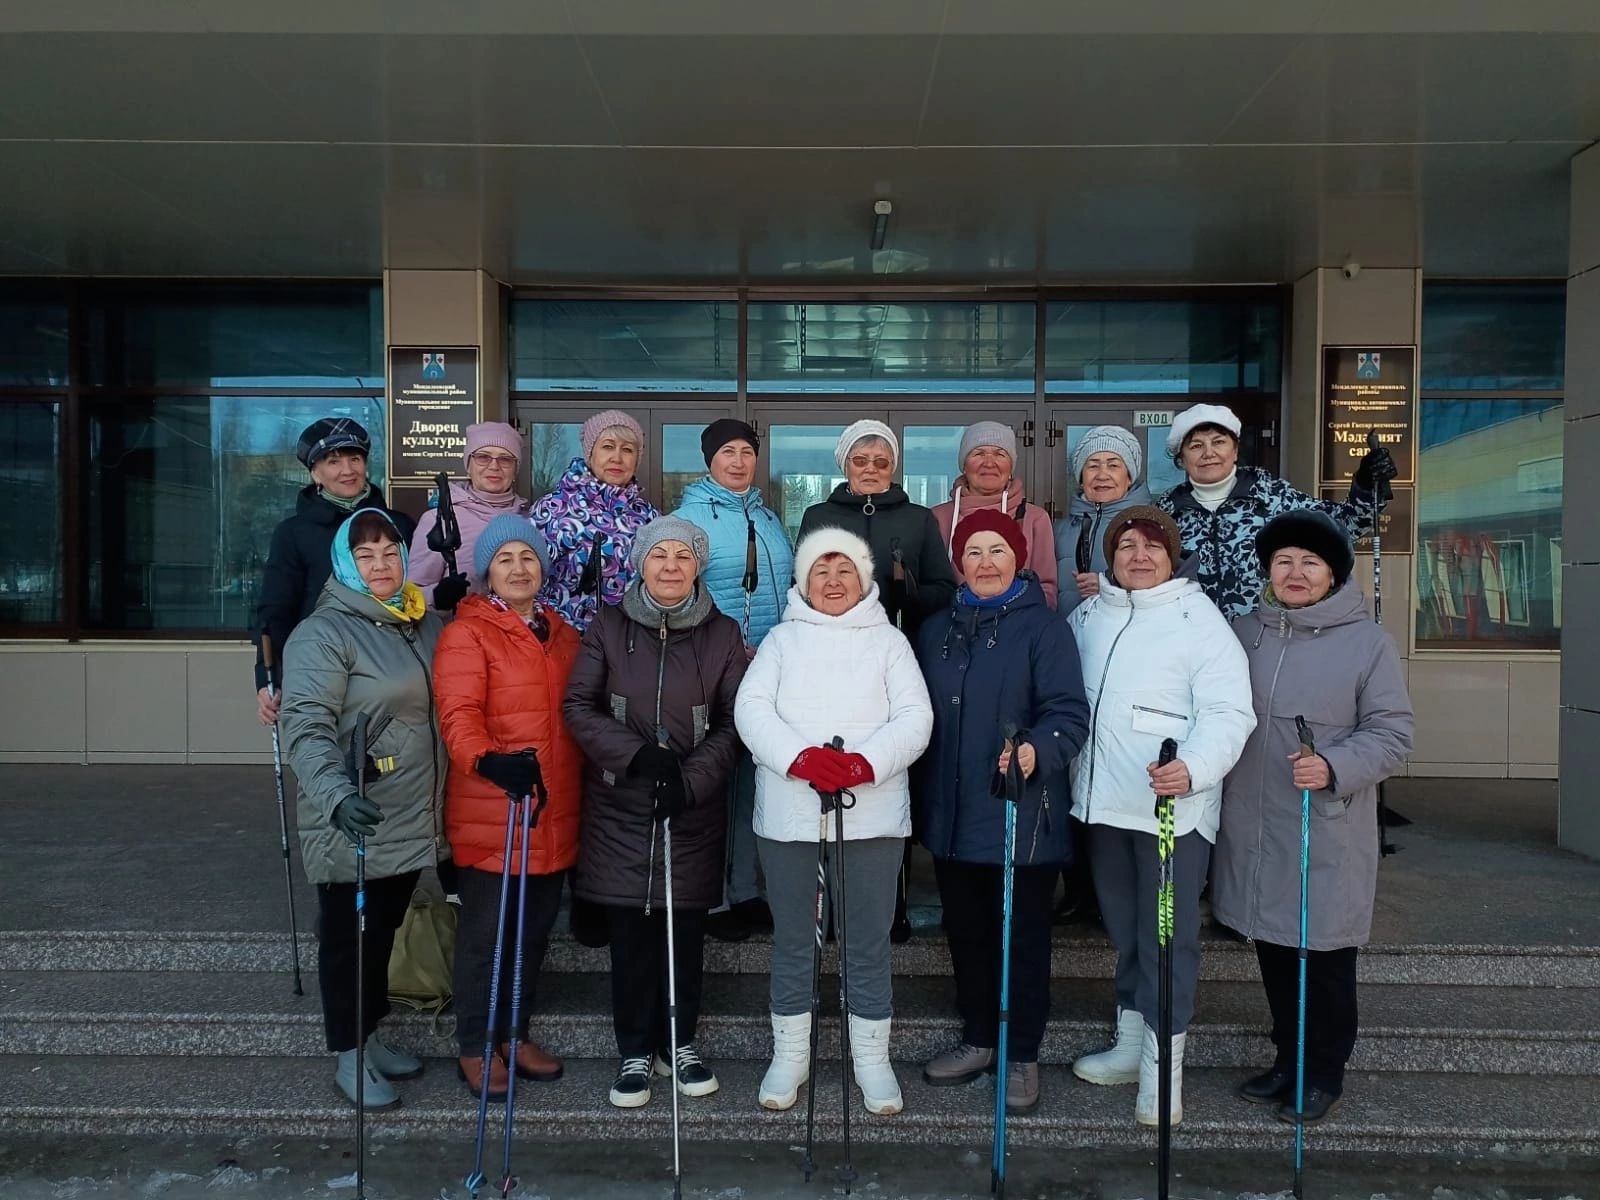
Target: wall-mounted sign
x=1366, y=388
x=1397, y=524
x=1151, y=418
x=433, y=396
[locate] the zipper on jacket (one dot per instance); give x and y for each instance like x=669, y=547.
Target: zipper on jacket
x=1094, y=717
x=433, y=728
x=1285, y=633
x=661, y=683
x=1160, y=712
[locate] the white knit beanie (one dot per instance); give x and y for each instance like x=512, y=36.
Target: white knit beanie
x=1111, y=438
x=867, y=428
x=831, y=540
x=1201, y=414
x=987, y=433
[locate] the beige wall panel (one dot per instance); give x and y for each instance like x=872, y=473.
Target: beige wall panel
x=1376, y=306
x=222, y=703
x=493, y=340
x=1396, y=592
x=1299, y=433
x=432, y=307
x=1456, y=770
x=1461, y=711
x=42, y=704
x=1535, y=711
x=1533, y=771
x=138, y=703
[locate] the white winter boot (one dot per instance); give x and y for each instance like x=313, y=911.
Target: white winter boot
x=1119, y=1064
x=791, y=1061
x=869, y=1050
x=1148, y=1109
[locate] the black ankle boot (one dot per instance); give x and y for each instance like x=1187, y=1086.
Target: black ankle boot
x=1269, y=1087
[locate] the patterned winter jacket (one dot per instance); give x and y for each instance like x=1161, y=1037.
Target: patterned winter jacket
x=580, y=511
x=1221, y=545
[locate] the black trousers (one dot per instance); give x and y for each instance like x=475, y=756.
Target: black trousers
x=474, y=962
x=639, y=976
x=1331, y=1018
x=387, y=901
x=972, y=895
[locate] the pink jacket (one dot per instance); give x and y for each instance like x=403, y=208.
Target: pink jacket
x=1036, y=527
x=474, y=510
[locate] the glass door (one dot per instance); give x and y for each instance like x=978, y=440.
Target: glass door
x=930, y=446
x=797, y=445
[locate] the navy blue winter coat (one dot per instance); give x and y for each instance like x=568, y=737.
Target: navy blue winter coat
x=985, y=667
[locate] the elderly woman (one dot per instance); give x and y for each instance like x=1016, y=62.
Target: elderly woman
x=1314, y=652
x=364, y=651
x=651, y=703
x=1108, y=467
x=910, y=564
x=751, y=565
x=988, y=462
x=590, y=520
x=1221, y=506
x=998, y=659
x=493, y=456
x=499, y=677
x=1159, y=662
x=834, y=667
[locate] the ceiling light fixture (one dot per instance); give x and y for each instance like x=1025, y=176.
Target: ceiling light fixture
x=881, y=210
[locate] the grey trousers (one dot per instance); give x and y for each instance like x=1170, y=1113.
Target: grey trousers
x=871, y=867
x=1126, y=880
x=743, y=880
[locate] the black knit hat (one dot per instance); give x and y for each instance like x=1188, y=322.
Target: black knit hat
x=722, y=431
x=1308, y=529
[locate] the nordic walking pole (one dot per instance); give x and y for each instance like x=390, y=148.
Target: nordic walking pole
x=274, y=690
x=847, y=1172
x=672, y=954
x=1385, y=846
x=1308, y=749
x=1010, y=790
x=474, y=1182
x=358, y=755
x=530, y=819
x=1166, y=844
x=808, y=1164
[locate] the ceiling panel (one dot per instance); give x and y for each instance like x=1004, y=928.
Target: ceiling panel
x=735, y=91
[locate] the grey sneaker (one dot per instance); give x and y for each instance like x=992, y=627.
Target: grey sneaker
x=1022, y=1086
x=391, y=1063
x=959, y=1064
x=378, y=1091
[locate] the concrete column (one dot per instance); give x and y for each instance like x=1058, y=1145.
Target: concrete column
x=449, y=308
x=1579, y=827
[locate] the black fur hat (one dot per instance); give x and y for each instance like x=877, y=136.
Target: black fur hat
x=1308, y=529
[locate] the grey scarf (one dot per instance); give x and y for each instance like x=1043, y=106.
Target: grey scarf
x=637, y=605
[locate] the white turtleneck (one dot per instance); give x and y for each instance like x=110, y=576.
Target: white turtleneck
x=1211, y=495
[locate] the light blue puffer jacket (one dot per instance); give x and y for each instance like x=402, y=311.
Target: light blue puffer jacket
x=727, y=518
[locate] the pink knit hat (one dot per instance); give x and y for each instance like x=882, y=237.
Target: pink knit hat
x=611, y=418
x=493, y=433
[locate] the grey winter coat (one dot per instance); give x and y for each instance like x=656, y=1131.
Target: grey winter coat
x=353, y=655
x=1330, y=663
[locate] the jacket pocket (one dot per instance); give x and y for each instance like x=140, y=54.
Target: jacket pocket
x=1159, y=722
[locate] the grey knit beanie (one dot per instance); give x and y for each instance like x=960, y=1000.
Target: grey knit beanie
x=670, y=529
x=1113, y=438
x=987, y=433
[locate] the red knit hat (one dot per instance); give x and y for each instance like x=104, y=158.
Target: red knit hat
x=991, y=520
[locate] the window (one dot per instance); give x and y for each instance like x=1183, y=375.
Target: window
x=31, y=586
x=624, y=345
x=943, y=346
x=33, y=338
x=1158, y=346
x=1489, y=471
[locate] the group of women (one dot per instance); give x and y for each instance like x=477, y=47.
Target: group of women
x=640, y=669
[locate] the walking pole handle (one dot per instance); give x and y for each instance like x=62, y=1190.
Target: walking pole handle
x=1308, y=743
x=267, y=662
x=1169, y=751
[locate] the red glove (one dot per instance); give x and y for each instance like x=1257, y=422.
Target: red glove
x=857, y=770
x=815, y=765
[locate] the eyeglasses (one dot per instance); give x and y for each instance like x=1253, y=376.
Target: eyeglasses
x=876, y=464
x=504, y=461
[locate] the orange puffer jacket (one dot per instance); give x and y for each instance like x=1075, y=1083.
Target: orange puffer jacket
x=499, y=689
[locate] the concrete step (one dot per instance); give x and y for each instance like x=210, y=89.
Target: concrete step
x=285, y=1097
x=1405, y=1028
x=1077, y=955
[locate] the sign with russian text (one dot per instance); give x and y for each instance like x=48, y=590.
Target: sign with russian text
x=1152, y=418
x=1367, y=389
x=433, y=396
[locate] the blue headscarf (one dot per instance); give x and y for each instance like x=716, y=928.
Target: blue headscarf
x=344, y=560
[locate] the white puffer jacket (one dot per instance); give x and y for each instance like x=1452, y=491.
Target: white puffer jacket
x=815, y=677
x=1157, y=663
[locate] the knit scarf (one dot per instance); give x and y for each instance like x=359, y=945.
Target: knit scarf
x=343, y=503
x=639, y=606
x=965, y=595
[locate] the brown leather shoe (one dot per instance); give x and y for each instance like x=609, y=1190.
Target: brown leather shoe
x=470, y=1070
x=534, y=1062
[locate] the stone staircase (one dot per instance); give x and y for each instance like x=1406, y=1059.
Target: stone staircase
x=1465, y=1049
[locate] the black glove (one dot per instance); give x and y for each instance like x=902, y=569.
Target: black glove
x=653, y=762
x=449, y=592
x=1374, y=472
x=670, y=797
x=355, y=815
x=515, y=773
